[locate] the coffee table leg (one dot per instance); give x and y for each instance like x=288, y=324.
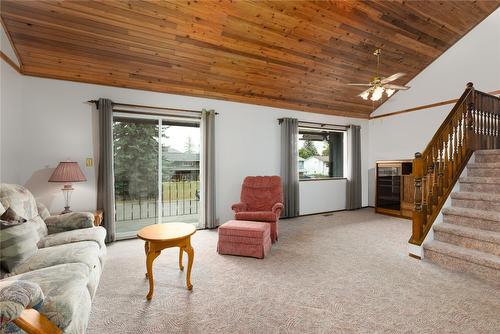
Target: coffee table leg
x=190, y=252
x=152, y=255
x=181, y=251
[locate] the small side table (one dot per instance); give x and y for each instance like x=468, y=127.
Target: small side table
x=98, y=215
x=158, y=237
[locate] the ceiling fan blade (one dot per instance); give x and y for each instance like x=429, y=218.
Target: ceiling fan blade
x=365, y=93
x=359, y=84
x=398, y=87
x=392, y=77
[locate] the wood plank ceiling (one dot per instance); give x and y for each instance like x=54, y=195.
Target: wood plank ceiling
x=289, y=54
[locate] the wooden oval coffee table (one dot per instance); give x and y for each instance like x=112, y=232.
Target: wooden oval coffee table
x=160, y=236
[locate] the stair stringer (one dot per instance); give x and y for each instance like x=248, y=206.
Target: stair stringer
x=418, y=250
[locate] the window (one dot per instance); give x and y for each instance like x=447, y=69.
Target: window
x=321, y=154
x=156, y=171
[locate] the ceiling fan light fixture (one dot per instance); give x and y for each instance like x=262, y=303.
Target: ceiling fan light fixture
x=389, y=92
x=365, y=95
x=377, y=94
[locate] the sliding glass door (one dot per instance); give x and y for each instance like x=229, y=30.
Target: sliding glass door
x=156, y=171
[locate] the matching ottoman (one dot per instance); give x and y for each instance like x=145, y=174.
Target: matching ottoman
x=244, y=238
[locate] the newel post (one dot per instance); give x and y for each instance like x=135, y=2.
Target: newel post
x=418, y=212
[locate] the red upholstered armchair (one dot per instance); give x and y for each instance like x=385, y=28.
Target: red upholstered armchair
x=261, y=200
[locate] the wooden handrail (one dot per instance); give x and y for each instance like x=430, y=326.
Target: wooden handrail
x=472, y=124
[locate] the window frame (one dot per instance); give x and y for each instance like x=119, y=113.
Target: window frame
x=309, y=130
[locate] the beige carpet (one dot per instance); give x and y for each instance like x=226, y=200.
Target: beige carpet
x=344, y=273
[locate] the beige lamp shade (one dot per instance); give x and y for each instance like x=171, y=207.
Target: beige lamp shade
x=67, y=171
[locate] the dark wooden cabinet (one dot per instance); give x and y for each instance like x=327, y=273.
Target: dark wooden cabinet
x=395, y=188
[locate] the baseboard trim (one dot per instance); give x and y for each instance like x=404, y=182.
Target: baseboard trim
x=325, y=212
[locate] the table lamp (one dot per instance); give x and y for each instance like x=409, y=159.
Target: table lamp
x=67, y=172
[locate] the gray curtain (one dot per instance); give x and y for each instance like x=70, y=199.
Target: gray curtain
x=353, y=196
x=209, y=218
x=289, y=166
x=105, y=182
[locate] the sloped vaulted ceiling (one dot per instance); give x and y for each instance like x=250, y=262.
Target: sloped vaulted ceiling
x=289, y=54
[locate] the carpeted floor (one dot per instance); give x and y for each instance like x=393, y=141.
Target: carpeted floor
x=344, y=273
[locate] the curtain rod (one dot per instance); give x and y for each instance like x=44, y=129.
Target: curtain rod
x=96, y=102
x=318, y=124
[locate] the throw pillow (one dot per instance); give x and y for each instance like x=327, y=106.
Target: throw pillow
x=11, y=216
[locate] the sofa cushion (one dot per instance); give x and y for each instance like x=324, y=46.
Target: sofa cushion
x=43, y=212
x=261, y=216
x=96, y=234
x=67, y=301
x=86, y=252
x=23, y=203
x=17, y=245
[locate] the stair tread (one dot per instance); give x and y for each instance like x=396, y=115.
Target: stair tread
x=480, y=179
x=472, y=213
x=476, y=196
x=467, y=254
x=469, y=232
x=485, y=165
x=488, y=152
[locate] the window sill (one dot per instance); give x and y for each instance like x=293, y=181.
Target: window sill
x=323, y=179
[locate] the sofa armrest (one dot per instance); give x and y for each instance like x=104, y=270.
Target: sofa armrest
x=239, y=207
x=69, y=221
x=16, y=296
x=277, y=208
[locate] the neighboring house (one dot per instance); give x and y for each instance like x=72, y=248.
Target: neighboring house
x=301, y=167
x=185, y=166
x=316, y=165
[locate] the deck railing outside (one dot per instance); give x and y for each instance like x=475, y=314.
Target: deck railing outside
x=179, y=198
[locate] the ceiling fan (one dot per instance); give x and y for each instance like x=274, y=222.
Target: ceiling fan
x=379, y=85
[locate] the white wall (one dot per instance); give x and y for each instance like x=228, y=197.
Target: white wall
x=54, y=123
x=322, y=196
x=475, y=58
x=10, y=111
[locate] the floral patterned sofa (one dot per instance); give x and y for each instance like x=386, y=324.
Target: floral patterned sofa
x=61, y=276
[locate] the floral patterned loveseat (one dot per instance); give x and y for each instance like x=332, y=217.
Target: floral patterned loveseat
x=60, y=277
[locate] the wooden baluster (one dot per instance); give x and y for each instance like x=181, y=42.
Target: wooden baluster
x=464, y=128
x=450, y=152
x=446, y=170
x=440, y=165
x=459, y=138
x=419, y=216
x=488, y=129
x=428, y=181
x=435, y=192
x=425, y=190
x=471, y=124
x=455, y=151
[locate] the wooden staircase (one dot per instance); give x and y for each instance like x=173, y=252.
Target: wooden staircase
x=468, y=239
